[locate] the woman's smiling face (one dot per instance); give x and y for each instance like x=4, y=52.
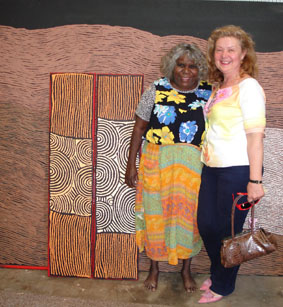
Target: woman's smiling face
x=228, y=55
x=185, y=74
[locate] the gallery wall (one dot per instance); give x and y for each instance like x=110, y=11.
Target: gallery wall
x=112, y=37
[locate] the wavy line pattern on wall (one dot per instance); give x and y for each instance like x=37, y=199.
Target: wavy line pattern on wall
x=27, y=57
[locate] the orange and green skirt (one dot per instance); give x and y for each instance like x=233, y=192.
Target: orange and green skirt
x=166, y=202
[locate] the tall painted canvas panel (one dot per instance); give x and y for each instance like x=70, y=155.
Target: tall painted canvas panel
x=91, y=210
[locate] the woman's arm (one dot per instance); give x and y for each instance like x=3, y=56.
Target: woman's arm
x=255, y=154
x=131, y=175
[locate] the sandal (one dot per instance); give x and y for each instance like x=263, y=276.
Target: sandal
x=206, y=285
x=209, y=297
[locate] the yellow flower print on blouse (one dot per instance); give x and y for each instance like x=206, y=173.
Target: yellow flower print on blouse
x=176, y=97
x=159, y=96
x=150, y=136
x=166, y=136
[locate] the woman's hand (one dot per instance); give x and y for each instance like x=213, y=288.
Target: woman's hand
x=255, y=191
x=131, y=176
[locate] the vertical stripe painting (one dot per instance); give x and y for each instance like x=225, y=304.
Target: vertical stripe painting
x=91, y=210
x=70, y=174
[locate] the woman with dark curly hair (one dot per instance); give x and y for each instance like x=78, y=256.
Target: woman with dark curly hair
x=232, y=151
x=170, y=119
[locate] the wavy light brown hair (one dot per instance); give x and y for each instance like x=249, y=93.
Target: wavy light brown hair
x=249, y=63
x=168, y=61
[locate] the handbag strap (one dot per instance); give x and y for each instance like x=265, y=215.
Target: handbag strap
x=233, y=216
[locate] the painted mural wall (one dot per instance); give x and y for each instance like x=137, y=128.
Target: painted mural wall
x=110, y=37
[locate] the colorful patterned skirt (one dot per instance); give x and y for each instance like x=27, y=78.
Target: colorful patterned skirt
x=166, y=202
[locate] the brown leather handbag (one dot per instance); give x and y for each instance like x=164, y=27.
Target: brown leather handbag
x=246, y=245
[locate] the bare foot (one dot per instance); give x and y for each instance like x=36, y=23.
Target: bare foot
x=152, y=278
x=189, y=283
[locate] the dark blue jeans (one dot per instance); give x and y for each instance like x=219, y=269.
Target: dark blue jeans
x=214, y=218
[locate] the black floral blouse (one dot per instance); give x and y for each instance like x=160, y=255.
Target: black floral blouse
x=176, y=116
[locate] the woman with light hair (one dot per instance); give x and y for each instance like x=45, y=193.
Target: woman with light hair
x=232, y=151
x=170, y=119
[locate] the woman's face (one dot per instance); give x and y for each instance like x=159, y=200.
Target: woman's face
x=228, y=55
x=185, y=74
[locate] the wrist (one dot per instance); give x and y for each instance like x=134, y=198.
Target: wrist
x=255, y=181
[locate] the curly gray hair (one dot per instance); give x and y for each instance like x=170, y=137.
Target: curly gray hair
x=168, y=61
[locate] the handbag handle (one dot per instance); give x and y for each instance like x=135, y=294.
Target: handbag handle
x=233, y=216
